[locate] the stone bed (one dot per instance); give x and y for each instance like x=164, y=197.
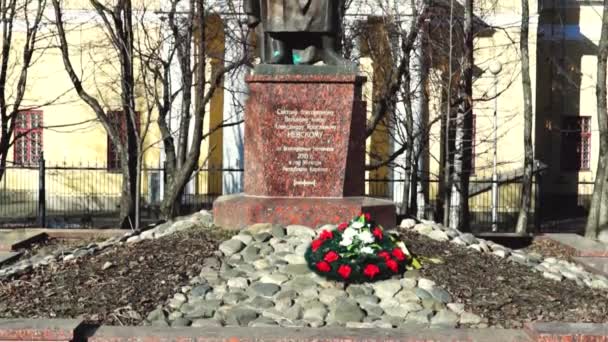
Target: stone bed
x=261, y=280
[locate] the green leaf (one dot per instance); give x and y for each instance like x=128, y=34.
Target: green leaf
x=416, y=264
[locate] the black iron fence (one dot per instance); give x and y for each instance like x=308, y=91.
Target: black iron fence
x=60, y=195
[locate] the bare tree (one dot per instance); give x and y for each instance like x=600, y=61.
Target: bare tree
x=459, y=197
x=190, y=29
x=526, y=195
x=11, y=97
x=118, y=25
x=598, y=212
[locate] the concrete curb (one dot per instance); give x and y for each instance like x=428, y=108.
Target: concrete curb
x=56, y=330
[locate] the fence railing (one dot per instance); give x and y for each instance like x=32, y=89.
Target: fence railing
x=60, y=195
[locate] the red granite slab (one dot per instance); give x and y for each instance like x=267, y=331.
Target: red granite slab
x=305, y=136
x=238, y=211
x=38, y=329
x=567, y=332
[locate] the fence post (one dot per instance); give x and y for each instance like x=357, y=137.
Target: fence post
x=41, y=193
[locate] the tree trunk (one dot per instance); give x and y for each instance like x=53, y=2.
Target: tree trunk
x=526, y=194
x=598, y=212
x=459, y=199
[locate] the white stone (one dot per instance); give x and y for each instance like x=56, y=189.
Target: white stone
x=426, y=284
x=407, y=223
x=423, y=228
x=603, y=236
x=386, y=288
x=299, y=230
x=438, y=235
x=106, y=265
x=500, y=253
x=134, y=239
x=238, y=283
x=458, y=241
x=475, y=247
x=456, y=307
x=469, y=318
x=552, y=276
x=295, y=259
x=244, y=238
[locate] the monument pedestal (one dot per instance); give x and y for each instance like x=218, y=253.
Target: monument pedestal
x=304, y=150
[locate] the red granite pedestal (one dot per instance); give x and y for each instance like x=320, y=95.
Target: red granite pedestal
x=304, y=150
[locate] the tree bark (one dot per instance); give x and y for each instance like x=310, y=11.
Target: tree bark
x=459, y=199
x=598, y=212
x=526, y=194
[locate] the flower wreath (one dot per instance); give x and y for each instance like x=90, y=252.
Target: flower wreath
x=358, y=251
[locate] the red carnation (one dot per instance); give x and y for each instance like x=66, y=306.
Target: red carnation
x=323, y=266
x=331, y=256
x=384, y=255
x=326, y=235
x=371, y=270
x=342, y=226
x=316, y=244
x=398, y=254
x=377, y=233
x=367, y=216
x=344, y=271
x=392, y=265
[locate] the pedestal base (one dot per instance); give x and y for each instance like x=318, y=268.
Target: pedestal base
x=239, y=210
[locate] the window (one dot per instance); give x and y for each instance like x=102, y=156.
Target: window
x=117, y=118
x=28, y=133
x=576, y=143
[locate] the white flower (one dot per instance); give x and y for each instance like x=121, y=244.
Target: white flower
x=358, y=225
x=366, y=237
x=367, y=250
x=401, y=245
x=349, y=233
x=346, y=242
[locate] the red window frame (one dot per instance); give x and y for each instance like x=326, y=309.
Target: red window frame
x=116, y=118
x=576, y=143
x=28, y=145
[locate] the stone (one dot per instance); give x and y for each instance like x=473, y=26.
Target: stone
x=501, y=253
x=445, y=318
x=468, y=238
x=356, y=290
x=261, y=264
x=553, y=276
x=250, y=253
x=283, y=304
x=245, y=237
x=458, y=308
x=278, y=231
x=469, y=318
x=261, y=303
x=420, y=317
x=299, y=230
x=458, y=241
x=433, y=304
x=287, y=294
x=263, y=322
x=297, y=269
x=134, y=239
x=407, y=223
x=300, y=283
x=262, y=237
x=293, y=313
x=258, y=228
x=181, y=322
x=408, y=283
x=200, y=309
x=328, y=296
x=157, y=314
x=295, y=259
x=106, y=265
x=423, y=228
x=343, y=311
x=364, y=299
x=422, y=294
x=233, y=298
x=440, y=294
x=240, y=316
x=438, y=235
x=206, y=323
x=175, y=315
x=238, y=283
x=265, y=289
x=387, y=288
x=411, y=295
x=426, y=284
x=231, y=247
x=274, y=278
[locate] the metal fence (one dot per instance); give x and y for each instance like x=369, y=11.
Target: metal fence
x=60, y=195
x=89, y=195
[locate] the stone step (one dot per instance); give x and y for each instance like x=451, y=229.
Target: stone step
x=7, y=257
x=581, y=246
